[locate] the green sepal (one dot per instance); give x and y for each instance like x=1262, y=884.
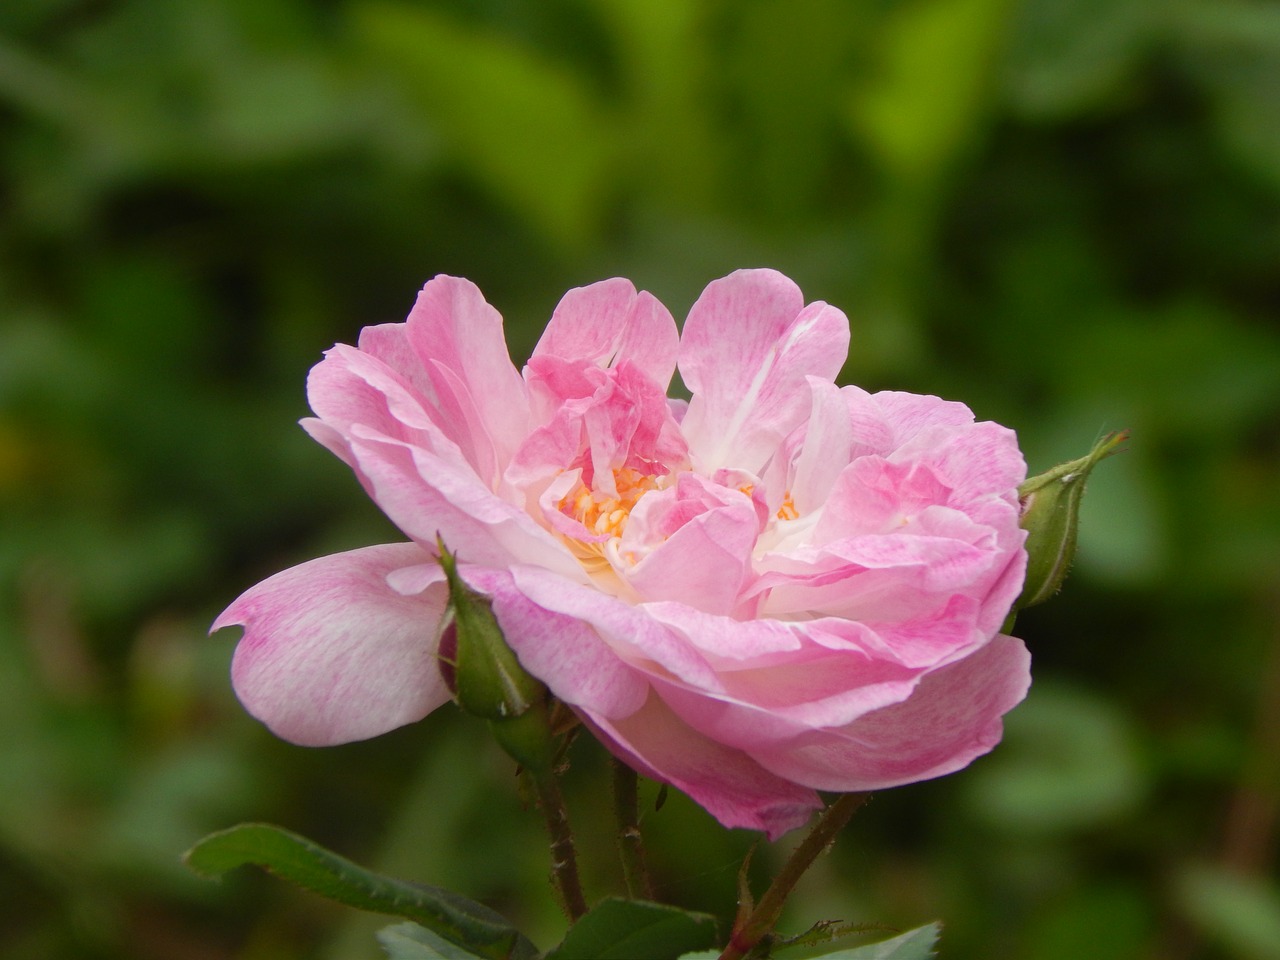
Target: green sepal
x=488, y=680
x=1051, y=516
x=617, y=929
x=486, y=677
x=460, y=921
x=527, y=739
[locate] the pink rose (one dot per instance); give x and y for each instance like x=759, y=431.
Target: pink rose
x=779, y=587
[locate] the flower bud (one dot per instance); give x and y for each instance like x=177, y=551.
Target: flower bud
x=1051, y=514
x=485, y=677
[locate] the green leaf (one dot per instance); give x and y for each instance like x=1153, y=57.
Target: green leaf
x=635, y=930
x=296, y=859
x=408, y=941
x=915, y=944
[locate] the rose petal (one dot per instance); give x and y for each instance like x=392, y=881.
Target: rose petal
x=747, y=347
x=452, y=327
x=607, y=323
x=953, y=716
x=728, y=784
x=331, y=653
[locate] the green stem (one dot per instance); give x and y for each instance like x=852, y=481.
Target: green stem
x=564, y=858
x=760, y=922
x=626, y=805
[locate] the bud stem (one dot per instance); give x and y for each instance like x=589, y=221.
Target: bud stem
x=564, y=856
x=626, y=805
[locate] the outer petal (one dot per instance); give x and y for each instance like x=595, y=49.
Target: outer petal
x=609, y=322
x=331, y=653
x=953, y=716
x=977, y=461
x=728, y=784
x=427, y=494
x=747, y=347
x=453, y=328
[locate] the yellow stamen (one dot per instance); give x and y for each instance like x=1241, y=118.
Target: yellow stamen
x=788, y=509
x=605, y=515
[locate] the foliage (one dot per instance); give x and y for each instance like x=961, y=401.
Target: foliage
x=1060, y=211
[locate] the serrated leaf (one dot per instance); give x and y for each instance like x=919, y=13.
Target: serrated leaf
x=635, y=930
x=296, y=859
x=408, y=941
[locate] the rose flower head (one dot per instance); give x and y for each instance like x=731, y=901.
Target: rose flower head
x=777, y=587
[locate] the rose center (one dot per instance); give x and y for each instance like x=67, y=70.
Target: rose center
x=601, y=512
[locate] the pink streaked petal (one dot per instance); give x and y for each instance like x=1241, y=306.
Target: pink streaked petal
x=693, y=542
x=755, y=714
x=825, y=451
x=938, y=564
x=832, y=586
x=562, y=651
x=331, y=653
x=427, y=496
x=977, y=461
x=953, y=717
x=727, y=783
x=608, y=322
x=388, y=343
x=451, y=324
x=999, y=600
x=922, y=642
x=726, y=640
x=349, y=387
x=747, y=347
x=628, y=628
x=871, y=433
x=908, y=413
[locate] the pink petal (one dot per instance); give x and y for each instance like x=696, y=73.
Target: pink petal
x=747, y=347
x=692, y=543
x=728, y=784
x=607, y=323
x=766, y=709
x=428, y=495
x=627, y=628
x=977, y=461
x=825, y=451
x=953, y=716
x=908, y=413
x=331, y=653
x=452, y=327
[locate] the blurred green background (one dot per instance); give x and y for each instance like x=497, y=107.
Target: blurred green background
x=1064, y=212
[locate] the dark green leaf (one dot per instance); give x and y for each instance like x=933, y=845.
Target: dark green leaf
x=635, y=930
x=296, y=859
